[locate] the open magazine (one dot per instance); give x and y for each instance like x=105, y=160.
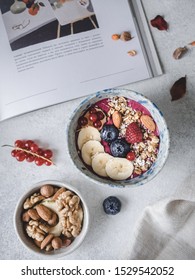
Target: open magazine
x=57, y=50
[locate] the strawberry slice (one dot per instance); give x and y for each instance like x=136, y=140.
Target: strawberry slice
x=133, y=133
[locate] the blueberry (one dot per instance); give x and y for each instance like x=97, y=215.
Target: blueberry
x=109, y=133
x=112, y=205
x=119, y=148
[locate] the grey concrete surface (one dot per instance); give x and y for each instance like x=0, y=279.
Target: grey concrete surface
x=109, y=237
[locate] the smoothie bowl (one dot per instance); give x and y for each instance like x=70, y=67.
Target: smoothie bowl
x=118, y=137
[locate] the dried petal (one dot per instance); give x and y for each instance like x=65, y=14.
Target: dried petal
x=178, y=89
x=192, y=44
x=159, y=22
x=178, y=53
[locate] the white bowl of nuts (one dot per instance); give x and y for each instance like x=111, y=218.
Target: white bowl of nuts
x=118, y=137
x=51, y=219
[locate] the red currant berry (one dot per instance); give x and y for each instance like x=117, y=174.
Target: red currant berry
x=14, y=153
x=48, y=163
x=28, y=144
x=20, y=156
x=97, y=124
x=47, y=154
x=100, y=115
x=40, y=152
x=39, y=161
x=34, y=147
x=30, y=158
x=130, y=156
x=93, y=117
x=19, y=144
x=83, y=121
x=92, y=110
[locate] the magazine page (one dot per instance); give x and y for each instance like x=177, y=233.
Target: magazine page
x=49, y=56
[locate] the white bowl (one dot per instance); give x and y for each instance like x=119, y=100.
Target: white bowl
x=156, y=115
x=28, y=243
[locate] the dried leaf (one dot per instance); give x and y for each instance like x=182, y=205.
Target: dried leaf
x=159, y=22
x=192, y=44
x=179, y=52
x=178, y=89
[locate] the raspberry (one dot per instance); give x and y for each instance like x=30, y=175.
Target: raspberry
x=133, y=133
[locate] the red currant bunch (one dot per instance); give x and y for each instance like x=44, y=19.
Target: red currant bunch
x=30, y=151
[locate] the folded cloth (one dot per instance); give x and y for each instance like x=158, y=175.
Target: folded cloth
x=166, y=229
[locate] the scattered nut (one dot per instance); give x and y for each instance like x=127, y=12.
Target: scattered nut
x=47, y=190
x=46, y=241
x=125, y=36
x=132, y=53
x=56, y=243
x=115, y=37
x=179, y=52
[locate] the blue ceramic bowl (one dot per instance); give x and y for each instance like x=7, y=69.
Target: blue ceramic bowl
x=156, y=115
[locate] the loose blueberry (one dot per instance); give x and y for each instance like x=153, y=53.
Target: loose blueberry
x=119, y=148
x=112, y=205
x=109, y=133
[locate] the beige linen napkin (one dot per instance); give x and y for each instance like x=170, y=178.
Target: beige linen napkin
x=166, y=230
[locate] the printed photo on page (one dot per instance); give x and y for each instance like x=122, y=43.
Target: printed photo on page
x=30, y=22
x=71, y=11
x=64, y=49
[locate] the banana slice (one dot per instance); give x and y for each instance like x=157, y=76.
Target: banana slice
x=99, y=162
x=86, y=134
x=89, y=149
x=119, y=168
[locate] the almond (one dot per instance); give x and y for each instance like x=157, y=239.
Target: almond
x=61, y=190
x=117, y=119
x=148, y=122
x=46, y=241
x=33, y=214
x=44, y=212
